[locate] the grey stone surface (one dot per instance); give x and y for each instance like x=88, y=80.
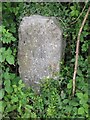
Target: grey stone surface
x=40, y=49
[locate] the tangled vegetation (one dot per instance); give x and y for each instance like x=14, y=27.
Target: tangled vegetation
x=55, y=100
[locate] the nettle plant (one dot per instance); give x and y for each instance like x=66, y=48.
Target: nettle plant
x=6, y=54
x=12, y=97
x=6, y=58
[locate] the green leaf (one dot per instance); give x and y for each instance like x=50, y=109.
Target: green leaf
x=33, y=115
x=79, y=95
x=2, y=106
x=14, y=99
x=69, y=85
x=29, y=107
x=68, y=108
x=80, y=78
x=79, y=72
x=76, y=12
x=8, y=89
x=65, y=101
x=73, y=103
x=81, y=111
x=85, y=96
x=10, y=108
x=20, y=82
x=85, y=27
x=7, y=82
x=72, y=8
x=85, y=47
x=19, y=108
x=26, y=114
x=86, y=106
x=6, y=75
x=75, y=110
x=2, y=58
x=12, y=76
x=81, y=38
x=2, y=54
x=72, y=13
x=13, y=30
x=7, y=37
x=10, y=59
x=8, y=51
x=82, y=101
x=1, y=93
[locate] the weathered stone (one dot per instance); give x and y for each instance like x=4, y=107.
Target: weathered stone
x=40, y=49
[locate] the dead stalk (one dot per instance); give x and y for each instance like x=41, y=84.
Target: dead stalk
x=77, y=51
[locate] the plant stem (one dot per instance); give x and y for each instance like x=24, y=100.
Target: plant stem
x=77, y=51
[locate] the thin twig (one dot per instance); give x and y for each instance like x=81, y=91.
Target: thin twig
x=81, y=12
x=77, y=51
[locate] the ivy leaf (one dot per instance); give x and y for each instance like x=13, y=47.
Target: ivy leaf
x=10, y=59
x=81, y=111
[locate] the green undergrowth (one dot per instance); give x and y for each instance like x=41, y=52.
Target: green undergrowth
x=55, y=99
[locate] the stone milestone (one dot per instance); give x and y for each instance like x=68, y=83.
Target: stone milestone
x=40, y=49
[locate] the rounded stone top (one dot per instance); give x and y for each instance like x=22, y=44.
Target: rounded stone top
x=34, y=19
